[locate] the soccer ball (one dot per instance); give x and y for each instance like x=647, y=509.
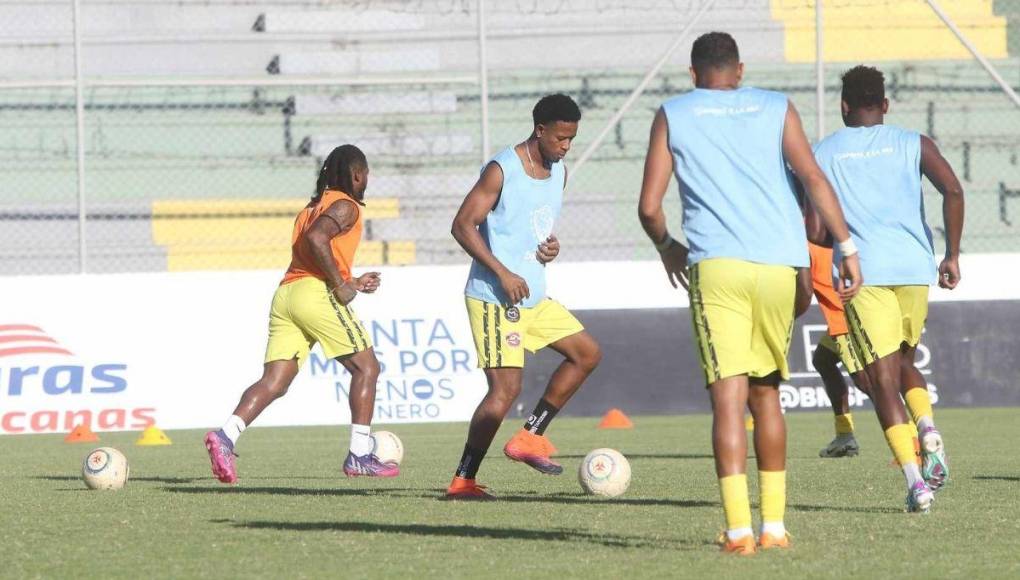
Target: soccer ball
x=387, y=447
x=105, y=468
x=604, y=472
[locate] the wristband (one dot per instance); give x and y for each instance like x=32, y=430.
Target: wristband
x=665, y=244
x=847, y=247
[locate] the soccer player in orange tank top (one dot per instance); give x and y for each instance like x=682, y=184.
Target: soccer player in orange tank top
x=311, y=306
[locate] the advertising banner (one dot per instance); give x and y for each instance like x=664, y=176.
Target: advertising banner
x=122, y=352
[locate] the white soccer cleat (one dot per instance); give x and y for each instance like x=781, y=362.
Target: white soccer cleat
x=934, y=465
x=842, y=446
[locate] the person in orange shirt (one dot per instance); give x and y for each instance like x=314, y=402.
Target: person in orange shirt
x=311, y=306
x=835, y=348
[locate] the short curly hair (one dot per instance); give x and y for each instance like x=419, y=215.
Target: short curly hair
x=863, y=87
x=552, y=108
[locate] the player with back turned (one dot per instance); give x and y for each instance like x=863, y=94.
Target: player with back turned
x=506, y=225
x=876, y=170
x=729, y=147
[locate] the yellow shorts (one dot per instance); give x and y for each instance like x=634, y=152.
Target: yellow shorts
x=882, y=318
x=501, y=334
x=304, y=313
x=841, y=347
x=743, y=316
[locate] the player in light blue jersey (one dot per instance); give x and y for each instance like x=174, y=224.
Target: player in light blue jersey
x=506, y=225
x=876, y=170
x=730, y=148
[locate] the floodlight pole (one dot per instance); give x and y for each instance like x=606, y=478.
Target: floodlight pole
x=483, y=79
x=79, y=108
x=819, y=72
x=989, y=68
x=590, y=150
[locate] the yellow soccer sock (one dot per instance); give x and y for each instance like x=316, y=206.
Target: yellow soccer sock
x=773, y=496
x=903, y=442
x=736, y=503
x=844, y=424
x=919, y=405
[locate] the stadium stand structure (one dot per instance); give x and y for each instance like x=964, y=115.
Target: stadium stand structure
x=176, y=175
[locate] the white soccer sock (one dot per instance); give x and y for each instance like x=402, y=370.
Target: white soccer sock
x=913, y=474
x=233, y=428
x=738, y=533
x=774, y=529
x=361, y=440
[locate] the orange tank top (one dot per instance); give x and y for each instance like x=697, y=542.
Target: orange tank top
x=344, y=246
x=821, y=283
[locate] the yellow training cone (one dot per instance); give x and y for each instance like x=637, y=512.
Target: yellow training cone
x=749, y=423
x=153, y=435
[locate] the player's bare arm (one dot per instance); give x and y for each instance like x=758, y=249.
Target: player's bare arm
x=338, y=219
x=797, y=152
x=658, y=171
x=935, y=167
x=478, y=203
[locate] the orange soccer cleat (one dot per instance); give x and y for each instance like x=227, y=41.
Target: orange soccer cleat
x=768, y=541
x=743, y=546
x=532, y=450
x=463, y=488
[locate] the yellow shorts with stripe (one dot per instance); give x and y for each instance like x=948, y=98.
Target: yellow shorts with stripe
x=303, y=313
x=743, y=316
x=841, y=347
x=502, y=334
x=882, y=318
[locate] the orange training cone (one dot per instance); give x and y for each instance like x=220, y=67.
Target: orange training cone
x=81, y=434
x=153, y=435
x=615, y=419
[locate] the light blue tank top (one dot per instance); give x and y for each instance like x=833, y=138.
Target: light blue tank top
x=737, y=196
x=522, y=219
x=876, y=172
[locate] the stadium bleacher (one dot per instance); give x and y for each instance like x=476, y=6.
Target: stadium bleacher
x=148, y=146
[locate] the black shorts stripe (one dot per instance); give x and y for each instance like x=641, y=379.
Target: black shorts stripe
x=357, y=327
x=705, y=341
x=485, y=333
x=860, y=339
x=340, y=317
x=497, y=315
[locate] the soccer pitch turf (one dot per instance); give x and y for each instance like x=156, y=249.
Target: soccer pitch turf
x=294, y=515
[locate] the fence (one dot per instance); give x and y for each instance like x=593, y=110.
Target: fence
x=138, y=135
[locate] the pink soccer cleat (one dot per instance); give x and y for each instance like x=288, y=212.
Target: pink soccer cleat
x=221, y=454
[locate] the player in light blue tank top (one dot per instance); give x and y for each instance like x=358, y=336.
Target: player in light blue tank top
x=876, y=170
x=521, y=222
x=730, y=147
x=737, y=197
x=506, y=225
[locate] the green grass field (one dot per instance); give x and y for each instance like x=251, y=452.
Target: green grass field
x=293, y=516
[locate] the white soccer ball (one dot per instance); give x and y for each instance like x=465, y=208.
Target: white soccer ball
x=604, y=472
x=387, y=447
x=105, y=468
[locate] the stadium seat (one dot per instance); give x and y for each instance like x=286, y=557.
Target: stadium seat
x=891, y=31
x=254, y=233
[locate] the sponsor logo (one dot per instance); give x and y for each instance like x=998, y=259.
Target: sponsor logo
x=805, y=389
x=513, y=314
x=425, y=371
x=513, y=339
x=40, y=378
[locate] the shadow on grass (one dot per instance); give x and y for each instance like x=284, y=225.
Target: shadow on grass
x=832, y=508
x=167, y=480
x=465, y=531
x=997, y=477
x=648, y=456
x=240, y=489
x=573, y=498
